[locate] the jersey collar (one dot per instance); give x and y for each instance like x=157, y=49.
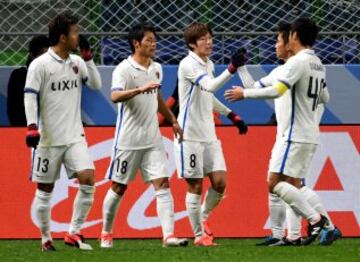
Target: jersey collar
x=58, y=58
x=133, y=63
x=307, y=51
x=197, y=58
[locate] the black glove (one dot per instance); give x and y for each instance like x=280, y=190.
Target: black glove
x=32, y=136
x=238, y=58
x=85, y=50
x=238, y=122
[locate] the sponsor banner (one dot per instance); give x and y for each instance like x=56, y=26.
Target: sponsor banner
x=243, y=212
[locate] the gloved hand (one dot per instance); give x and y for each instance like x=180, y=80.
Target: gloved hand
x=238, y=122
x=32, y=136
x=238, y=58
x=85, y=50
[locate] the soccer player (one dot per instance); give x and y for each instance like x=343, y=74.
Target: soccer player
x=138, y=143
x=55, y=131
x=172, y=102
x=302, y=81
x=200, y=154
x=277, y=207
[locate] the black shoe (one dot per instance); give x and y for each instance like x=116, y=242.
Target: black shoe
x=268, y=241
x=314, y=230
x=287, y=242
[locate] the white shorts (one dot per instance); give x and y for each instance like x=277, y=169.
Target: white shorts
x=46, y=161
x=151, y=161
x=197, y=159
x=291, y=158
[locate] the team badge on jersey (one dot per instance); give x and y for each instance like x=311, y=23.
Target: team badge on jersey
x=75, y=69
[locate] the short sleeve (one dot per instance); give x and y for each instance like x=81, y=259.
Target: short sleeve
x=119, y=79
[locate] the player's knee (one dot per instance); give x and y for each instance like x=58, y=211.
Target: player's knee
x=161, y=183
x=48, y=188
x=119, y=189
x=219, y=186
x=194, y=186
x=86, y=177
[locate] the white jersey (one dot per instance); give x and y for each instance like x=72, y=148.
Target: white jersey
x=137, y=125
x=304, y=75
x=58, y=83
x=196, y=103
x=282, y=104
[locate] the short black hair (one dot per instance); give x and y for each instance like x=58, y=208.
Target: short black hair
x=60, y=25
x=306, y=30
x=284, y=30
x=137, y=32
x=38, y=43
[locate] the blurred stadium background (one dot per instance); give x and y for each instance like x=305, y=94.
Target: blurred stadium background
x=235, y=23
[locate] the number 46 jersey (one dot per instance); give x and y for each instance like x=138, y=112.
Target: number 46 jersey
x=304, y=76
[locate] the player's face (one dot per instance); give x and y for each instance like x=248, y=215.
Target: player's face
x=147, y=46
x=204, y=46
x=282, y=49
x=72, y=39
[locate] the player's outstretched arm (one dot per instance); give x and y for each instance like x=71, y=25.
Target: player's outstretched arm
x=92, y=79
x=120, y=95
x=271, y=92
x=166, y=112
x=238, y=58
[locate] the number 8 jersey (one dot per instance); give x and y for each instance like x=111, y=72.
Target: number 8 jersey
x=304, y=76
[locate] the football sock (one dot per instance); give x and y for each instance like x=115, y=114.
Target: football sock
x=165, y=211
x=314, y=200
x=293, y=197
x=277, y=215
x=42, y=211
x=109, y=210
x=293, y=224
x=212, y=199
x=193, y=207
x=82, y=204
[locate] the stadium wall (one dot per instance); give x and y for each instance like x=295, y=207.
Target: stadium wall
x=342, y=80
x=334, y=175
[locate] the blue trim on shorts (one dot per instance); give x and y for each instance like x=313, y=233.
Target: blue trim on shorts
x=290, y=131
x=119, y=124
x=183, y=128
x=285, y=157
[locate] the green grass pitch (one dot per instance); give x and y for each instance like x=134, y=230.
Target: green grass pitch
x=347, y=249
